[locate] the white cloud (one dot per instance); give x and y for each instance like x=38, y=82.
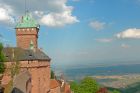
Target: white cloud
x=58, y=19
x=104, y=40
x=129, y=33
x=52, y=13
x=97, y=25
x=39, y=13
x=6, y=13
x=125, y=46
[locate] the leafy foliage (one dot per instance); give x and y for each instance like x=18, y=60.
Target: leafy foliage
x=15, y=68
x=2, y=58
x=75, y=87
x=87, y=85
x=52, y=74
x=115, y=91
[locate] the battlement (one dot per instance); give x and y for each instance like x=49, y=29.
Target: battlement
x=27, y=31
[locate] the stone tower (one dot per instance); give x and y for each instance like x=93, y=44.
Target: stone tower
x=27, y=32
x=36, y=62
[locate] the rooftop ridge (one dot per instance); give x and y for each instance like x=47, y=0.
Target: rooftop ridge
x=27, y=21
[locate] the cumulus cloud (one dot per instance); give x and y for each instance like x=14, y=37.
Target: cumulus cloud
x=39, y=13
x=6, y=13
x=97, y=25
x=49, y=12
x=104, y=40
x=129, y=33
x=58, y=19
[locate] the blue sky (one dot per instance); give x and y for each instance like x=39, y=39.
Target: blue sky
x=80, y=32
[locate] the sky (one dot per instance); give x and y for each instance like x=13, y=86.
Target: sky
x=79, y=32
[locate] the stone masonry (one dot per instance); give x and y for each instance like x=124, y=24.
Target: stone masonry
x=25, y=36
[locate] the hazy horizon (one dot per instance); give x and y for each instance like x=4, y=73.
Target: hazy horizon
x=79, y=32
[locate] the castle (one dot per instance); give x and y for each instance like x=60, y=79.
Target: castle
x=34, y=64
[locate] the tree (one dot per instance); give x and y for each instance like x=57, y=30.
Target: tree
x=87, y=85
x=2, y=58
x=75, y=87
x=115, y=91
x=52, y=74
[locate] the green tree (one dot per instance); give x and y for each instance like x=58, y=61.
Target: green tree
x=52, y=74
x=87, y=85
x=115, y=91
x=74, y=87
x=2, y=58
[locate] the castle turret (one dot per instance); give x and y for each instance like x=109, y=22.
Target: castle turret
x=26, y=31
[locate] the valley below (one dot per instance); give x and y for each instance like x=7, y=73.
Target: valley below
x=118, y=81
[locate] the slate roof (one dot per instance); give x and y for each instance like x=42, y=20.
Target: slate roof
x=20, y=81
x=19, y=54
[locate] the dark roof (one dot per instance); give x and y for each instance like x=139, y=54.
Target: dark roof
x=20, y=81
x=19, y=54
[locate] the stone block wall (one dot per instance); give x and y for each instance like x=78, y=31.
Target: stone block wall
x=24, y=37
x=40, y=74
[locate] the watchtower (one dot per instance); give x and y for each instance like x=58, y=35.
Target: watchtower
x=27, y=32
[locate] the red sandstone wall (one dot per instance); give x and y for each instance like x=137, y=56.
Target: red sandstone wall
x=55, y=90
x=25, y=35
x=40, y=73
